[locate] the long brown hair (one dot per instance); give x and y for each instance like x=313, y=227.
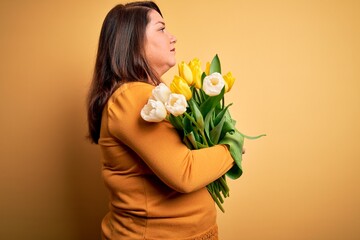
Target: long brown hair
x=120, y=57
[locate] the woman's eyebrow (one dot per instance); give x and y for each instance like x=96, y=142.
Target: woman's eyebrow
x=160, y=22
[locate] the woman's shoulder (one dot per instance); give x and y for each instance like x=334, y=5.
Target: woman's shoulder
x=137, y=90
x=133, y=88
x=129, y=98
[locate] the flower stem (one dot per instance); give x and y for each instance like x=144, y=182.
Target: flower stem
x=198, y=128
x=214, y=197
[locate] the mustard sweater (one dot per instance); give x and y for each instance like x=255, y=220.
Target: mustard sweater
x=156, y=184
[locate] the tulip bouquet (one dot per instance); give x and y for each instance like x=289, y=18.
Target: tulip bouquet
x=195, y=105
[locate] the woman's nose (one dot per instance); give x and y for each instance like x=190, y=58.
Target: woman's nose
x=172, y=38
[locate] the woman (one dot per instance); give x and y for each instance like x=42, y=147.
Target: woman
x=157, y=185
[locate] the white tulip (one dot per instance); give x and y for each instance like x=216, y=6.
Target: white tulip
x=176, y=104
x=213, y=84
x=153, y=111
x=161, y=93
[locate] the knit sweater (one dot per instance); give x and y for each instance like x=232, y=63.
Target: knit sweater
x=157, y=185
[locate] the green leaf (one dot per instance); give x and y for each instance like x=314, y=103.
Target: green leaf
x=222, y=114
x=211, y=103
x=227, y=127
x=187, y=125
x=235, y=172
x=229, y=117
x=253, y=137
x=197, y=114
x=200, y=145
x=192, y=142
x=235, y=141
x=190, y=136
x=196, y=135
x=208, y=125
x=194, y=94
x=215, y=65
x=216, y=131
x=203, y=75
x=197, y=95
x=188, y=143
x=176, y=122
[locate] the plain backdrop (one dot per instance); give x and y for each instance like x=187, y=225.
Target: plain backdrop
x=297, y=69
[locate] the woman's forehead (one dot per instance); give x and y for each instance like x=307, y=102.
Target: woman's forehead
x=155, y=18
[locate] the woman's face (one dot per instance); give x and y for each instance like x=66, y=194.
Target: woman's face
x=159, y=44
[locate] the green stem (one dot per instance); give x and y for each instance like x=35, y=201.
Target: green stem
x=195, y=92
x=191, y=119
x=224, y=186
x=223, y=102
x=198, y=128
x=210, y=190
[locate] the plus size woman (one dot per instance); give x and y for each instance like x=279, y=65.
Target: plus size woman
x=157, y=185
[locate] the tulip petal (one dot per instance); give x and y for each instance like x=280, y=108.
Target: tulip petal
x=153, y=111
x=213, y=84
x=179, y=86
x=229, y=80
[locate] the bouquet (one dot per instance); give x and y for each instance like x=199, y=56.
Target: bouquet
x=195, y=105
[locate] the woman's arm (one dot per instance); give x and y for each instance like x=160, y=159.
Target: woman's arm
x=160, y=146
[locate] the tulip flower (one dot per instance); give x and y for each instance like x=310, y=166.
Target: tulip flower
x=161, y=93
x=185, y=73
x=213, y=84
x=197, y=72
x=179, y=85
x=207, y=69
x=176, y=105
x=195, y=66
x=229, y=81
x=153, y=111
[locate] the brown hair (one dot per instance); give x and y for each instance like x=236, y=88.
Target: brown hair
x=120, y=57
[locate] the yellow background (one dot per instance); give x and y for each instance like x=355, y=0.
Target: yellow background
x=298, y=80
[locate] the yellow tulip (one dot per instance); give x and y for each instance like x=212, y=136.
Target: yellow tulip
x=229, y=81
x=195, y=66
x=194, y=62
x=197, y=72
x=185, y=73
x=207, y=69
x=179, y=86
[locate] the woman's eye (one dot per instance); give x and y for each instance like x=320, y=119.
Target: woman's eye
x=162, y=29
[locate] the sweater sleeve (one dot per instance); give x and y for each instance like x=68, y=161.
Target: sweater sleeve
x=159, y=145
